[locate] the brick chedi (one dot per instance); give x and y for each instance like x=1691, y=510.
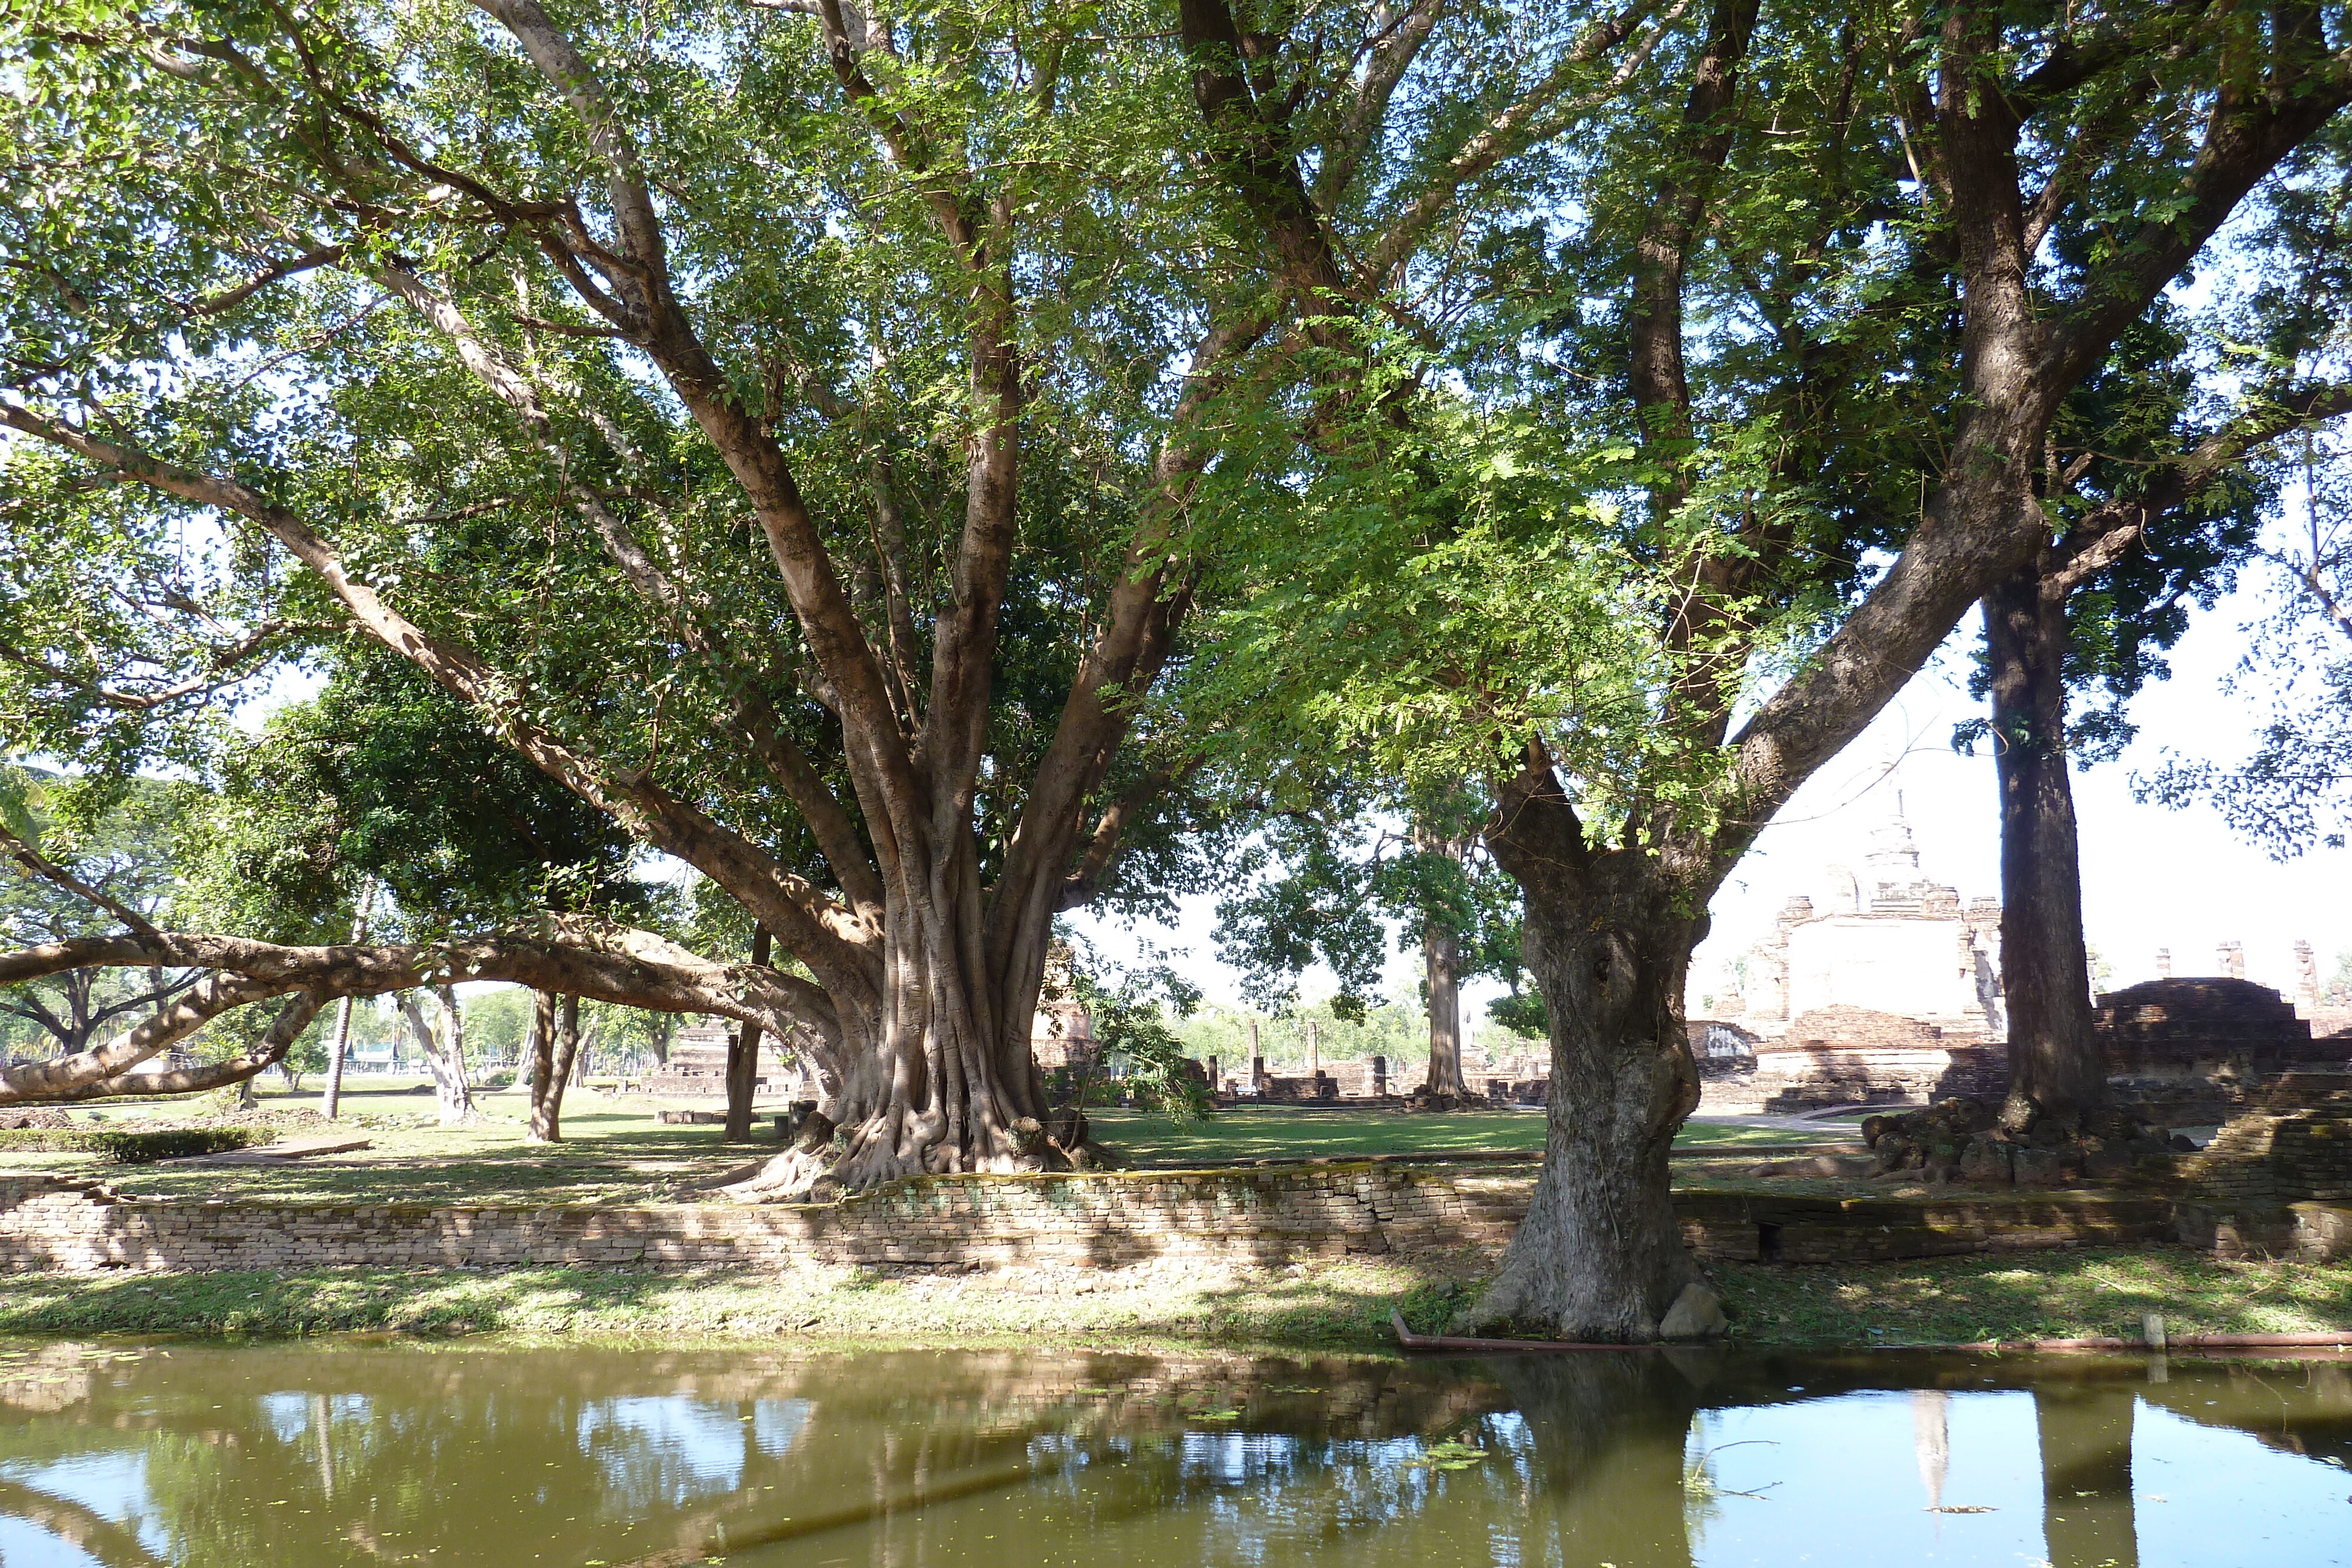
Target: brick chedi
x=1887, y=991
x=1891, y=942
x=2197, y=1026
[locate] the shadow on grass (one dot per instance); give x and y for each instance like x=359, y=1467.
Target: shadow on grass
x=1330, y=1303
x=2045, y=1295
x=1336, y=1306
x=626, y=1161
x=1273, y=1133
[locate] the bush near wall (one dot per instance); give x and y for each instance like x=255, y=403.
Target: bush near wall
x=125, y=1146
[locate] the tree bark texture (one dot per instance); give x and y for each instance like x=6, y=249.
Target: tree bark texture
x=1441, y=953
x=547, y=1092
x=1607, y=938
x=2055, y=1065
x=442, y=1049
x=743, y=1055
x=546, y=1086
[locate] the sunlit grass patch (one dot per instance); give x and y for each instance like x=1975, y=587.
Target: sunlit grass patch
x=2053, y=1295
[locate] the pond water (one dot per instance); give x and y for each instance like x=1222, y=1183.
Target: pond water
x=335, y=1453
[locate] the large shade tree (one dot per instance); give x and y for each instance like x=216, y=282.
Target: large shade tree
x=777, y=423
x=2159, y=513
x=2159, y=480
x=1805, y=280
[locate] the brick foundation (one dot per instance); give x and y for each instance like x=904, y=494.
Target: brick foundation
x=2274, y=1183
x=52, y=1223
x=1814, y=1077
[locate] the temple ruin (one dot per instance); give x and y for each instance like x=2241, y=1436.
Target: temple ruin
x=1887, y=991
x=1889, y=942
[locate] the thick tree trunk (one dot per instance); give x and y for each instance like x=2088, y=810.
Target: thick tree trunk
x=549, y=1065
x=942, y=1079
x=2056, y=1068
x=743, y=1056
x=1441, y=953
x=547, y=1092
x=1599, y=1257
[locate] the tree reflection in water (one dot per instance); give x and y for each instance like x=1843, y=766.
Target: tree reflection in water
x=348, y=1454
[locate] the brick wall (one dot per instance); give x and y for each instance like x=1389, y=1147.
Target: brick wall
x=2273, y=1183
x=1092, y=1220
x=1788, y=1079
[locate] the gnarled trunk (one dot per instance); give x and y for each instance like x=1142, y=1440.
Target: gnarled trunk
x=2055, y=1063
x=1599, y=1257
x=445, y=1055
x=941, y=1077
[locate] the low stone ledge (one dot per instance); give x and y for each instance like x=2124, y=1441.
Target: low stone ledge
x=1087, y=1219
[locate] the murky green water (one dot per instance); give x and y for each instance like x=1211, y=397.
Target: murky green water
x=459, y=1455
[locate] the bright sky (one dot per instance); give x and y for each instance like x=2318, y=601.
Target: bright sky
x=2152, y=878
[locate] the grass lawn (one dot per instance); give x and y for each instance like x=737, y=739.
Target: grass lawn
x=615, y=1149
x=2048, y=1295
x=1315, y=1304
x=1275, y=1134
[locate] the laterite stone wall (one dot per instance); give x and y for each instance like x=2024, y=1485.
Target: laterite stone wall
x=1096, y=1220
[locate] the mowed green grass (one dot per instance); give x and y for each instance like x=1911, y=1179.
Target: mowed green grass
x=1314, y=1302
x=615, y=1149
x=1252, y=1133
x=2031, y=1295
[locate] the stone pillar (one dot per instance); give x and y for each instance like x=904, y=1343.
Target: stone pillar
x=1314, y=1053
x=2233, y=959
x=2306, y=977
x=1380, y=1077
x=2163, y=963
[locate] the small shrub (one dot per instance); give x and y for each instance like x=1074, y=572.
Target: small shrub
x=127, y=1147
